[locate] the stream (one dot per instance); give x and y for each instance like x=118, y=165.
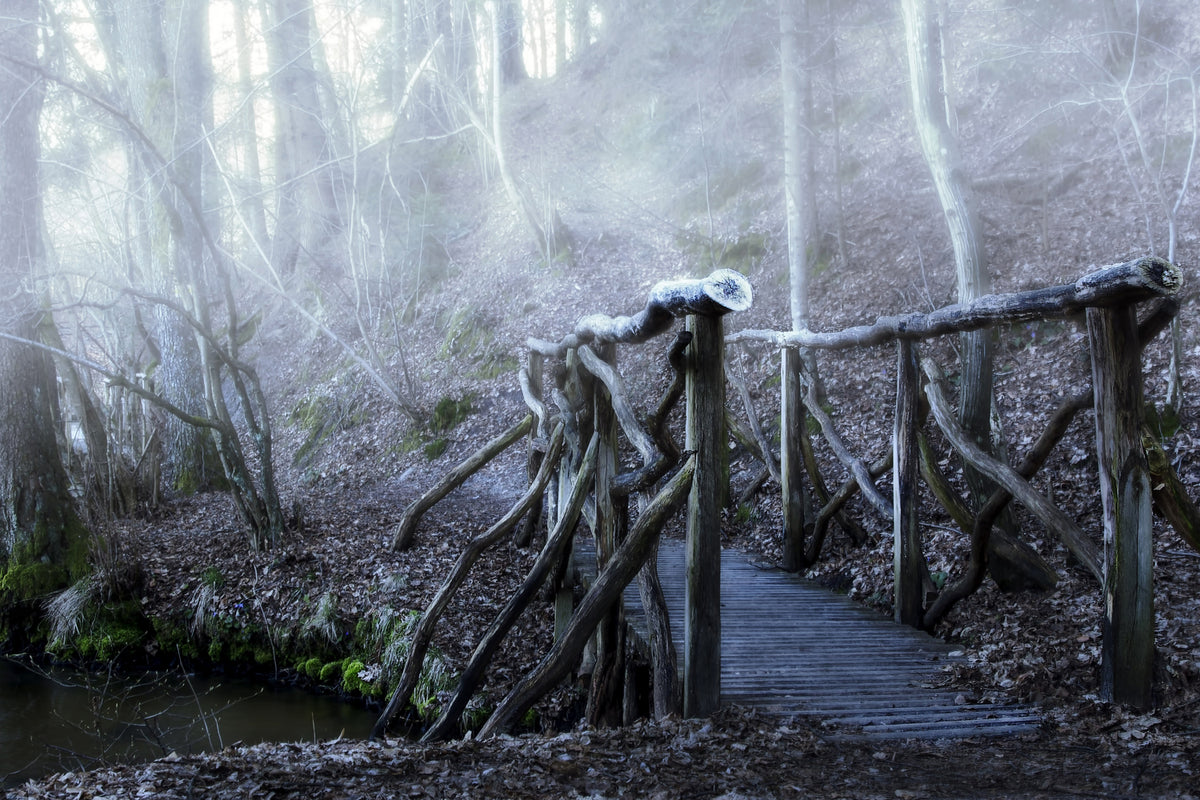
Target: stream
x=60, y=720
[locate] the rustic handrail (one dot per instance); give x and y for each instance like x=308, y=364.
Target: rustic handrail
x=723, y=291
x=1118, y=284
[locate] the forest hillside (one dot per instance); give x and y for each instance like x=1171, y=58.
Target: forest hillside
x=375, y=354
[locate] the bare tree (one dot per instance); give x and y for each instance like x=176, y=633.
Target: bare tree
x=934, y=115
x=43, y=545
x=308, y=208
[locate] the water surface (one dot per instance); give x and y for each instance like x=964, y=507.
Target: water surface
x=58, y=720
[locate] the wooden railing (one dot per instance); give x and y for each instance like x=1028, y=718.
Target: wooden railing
x=573, y=454
x=1109, y=298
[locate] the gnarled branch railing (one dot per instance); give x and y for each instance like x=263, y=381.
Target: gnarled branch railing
x=1108, y=296
x=591, y=404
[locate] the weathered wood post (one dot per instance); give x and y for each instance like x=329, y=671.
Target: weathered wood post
x=706, y=436
x=791, y=459
x=908, y=567
x=1127, y=666
x=703, y=301
x=536, y=441
x=604, y=699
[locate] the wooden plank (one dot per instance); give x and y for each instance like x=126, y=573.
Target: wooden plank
x=790, y=647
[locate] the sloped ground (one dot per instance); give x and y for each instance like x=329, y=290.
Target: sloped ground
x=661, y=152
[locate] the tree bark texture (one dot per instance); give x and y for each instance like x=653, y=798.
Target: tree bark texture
x=1127, y=665
x=792, y=422
x=909, y=570
x=604, y=697
x=43, y=546
x=705, y=437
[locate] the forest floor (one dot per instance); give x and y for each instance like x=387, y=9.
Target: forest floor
x=347, y=486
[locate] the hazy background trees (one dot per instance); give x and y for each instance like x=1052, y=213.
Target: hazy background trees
x=209, y=165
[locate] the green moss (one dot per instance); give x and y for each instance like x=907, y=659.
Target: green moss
x=212, y=577
x=331, y=672
x=350, y=680
x=27, y=581
x=434, y=449
x=530, y=719
x=312, y=669
x=110, y=641
x=174, y=639
x=449, y=413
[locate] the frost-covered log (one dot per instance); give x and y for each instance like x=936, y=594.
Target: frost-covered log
x=1119, y=284
x=723, y=291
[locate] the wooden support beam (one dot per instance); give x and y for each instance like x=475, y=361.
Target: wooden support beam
x=1127, y=665
x=791, y=459
x=706, y=438
x=909, y=560
x=533, y=392
x=604, y=707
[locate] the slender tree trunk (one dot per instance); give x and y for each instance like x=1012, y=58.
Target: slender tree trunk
x=800, y=199
x=511, y=42
x=307, y=212
x=934, y=117
x=253, y=211
x=171, y=241
x=42, y=543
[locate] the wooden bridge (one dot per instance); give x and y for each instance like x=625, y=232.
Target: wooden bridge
x=764, y=638
x=793, y=648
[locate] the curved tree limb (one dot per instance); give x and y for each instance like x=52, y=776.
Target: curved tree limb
x=605, y=591
x=407, y=526
x=557, y=540
x=1050, y=515
x=423, y=631
x=857, y=468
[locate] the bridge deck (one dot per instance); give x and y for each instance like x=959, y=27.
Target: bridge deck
x=791, y=647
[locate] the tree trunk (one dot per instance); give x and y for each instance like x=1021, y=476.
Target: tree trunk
x=43, y=546
x=170, y=241
x=935, y=123
x=307, y=213
x=510, y=42
x=253, y=212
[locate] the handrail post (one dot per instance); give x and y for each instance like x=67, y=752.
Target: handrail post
x=908, y=567
x=706, y=437
x=1127, y=650
x=791, y=460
